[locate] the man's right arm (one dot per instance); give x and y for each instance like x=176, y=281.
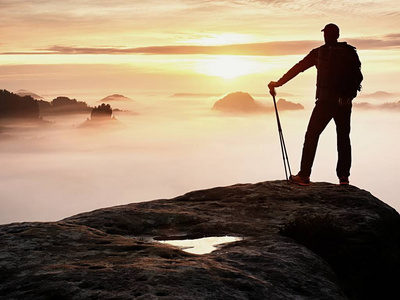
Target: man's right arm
x=306, y=63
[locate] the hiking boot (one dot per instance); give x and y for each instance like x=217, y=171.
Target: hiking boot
x=344, y=180
x=300, y=180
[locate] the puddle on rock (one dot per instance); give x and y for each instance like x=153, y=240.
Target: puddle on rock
x=201, y=245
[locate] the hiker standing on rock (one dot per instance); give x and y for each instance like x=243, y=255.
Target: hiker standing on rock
x=338, y=80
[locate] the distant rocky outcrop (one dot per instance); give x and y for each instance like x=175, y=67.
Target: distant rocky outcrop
x=238, y=102
x=13, y=106
x=380, y=95
x=100, y=115
x=390, y=106
x=319, y=242
x=116, y=98
x=283, y=104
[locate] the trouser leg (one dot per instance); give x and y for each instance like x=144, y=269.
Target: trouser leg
x=342, y=120
x=320, y=117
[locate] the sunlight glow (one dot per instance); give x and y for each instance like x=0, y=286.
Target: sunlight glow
x=221, y=39
x=229, y=67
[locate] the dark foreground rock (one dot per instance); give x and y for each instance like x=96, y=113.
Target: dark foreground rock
x=319, y=242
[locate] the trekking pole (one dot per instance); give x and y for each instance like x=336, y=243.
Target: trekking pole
x=281, y=139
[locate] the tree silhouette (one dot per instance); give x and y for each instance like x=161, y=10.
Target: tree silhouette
x=67, y=105
x=14, y=106
x=101, y=112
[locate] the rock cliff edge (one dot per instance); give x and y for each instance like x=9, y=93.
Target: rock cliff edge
x=318, y=242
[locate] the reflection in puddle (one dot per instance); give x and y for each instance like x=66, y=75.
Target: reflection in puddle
x=202, y=245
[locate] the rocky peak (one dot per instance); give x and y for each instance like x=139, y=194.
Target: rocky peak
x=319, y=242
x=238, y=102
x=116, y=98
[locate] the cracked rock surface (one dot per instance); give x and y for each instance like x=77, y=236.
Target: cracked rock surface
x=319, y=242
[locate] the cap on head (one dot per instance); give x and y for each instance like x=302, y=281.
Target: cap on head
x=331, y=30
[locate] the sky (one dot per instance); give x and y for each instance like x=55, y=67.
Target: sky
x=150, y=50
x=182, y=45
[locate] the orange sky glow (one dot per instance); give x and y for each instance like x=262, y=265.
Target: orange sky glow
x=73, y=44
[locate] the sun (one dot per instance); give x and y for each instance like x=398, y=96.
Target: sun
x=228, y=66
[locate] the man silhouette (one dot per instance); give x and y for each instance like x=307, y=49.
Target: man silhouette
x=338, y=79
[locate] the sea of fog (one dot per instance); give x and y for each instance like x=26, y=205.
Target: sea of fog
x=166, y=146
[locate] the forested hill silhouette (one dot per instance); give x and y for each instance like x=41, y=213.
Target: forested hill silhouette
x=13, y=106
x=100, y=115
x=16, y=106
x=63, y=105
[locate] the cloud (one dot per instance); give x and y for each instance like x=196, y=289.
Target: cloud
x=385, y=42
x=255, y=49
x=395, y=35
x=278, y=48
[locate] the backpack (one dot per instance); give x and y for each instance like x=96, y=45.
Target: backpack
x=339, y=68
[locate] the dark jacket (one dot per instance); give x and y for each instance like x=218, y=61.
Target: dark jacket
x=333, y=62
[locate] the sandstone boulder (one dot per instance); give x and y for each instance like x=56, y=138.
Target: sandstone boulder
x=319, y=242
